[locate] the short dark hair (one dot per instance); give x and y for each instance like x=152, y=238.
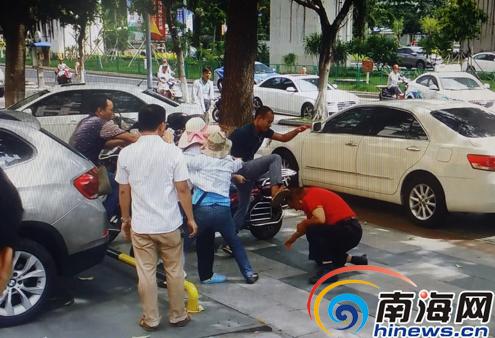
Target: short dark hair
x=206, y=69
x=262, y=111
x=150, y=117
x=295, y=194
x=97, y=101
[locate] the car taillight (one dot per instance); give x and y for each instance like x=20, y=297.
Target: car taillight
x=87, y=184
x=482, y=162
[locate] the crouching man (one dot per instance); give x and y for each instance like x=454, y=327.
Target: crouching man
x=331, y=229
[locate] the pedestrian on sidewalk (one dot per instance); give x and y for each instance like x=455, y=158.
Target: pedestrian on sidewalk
x=203, y=91
x=211, y=174
x=331, y=229
x=10, y=219
x=154, y=174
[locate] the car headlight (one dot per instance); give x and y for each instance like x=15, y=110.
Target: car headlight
x=484, y=103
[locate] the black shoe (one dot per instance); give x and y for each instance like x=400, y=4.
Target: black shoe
x=360, y=260
x=322, y=271
x=253, y=278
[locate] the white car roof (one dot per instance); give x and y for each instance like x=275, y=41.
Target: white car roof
x=421, y=107
x=449, y=74
x=91, y=86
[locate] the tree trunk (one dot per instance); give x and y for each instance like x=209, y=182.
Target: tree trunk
x=240, y=54
x=80, y=45
x=15, y=59
x=196, y=30
x=176, y=40
x=324, y=63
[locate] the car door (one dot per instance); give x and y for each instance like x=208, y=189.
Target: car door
x=396, y=142
x=270, y=93
x=405, y=56
x=60, y=112
x=424, y=84
x=329, y=156
x=290, y=102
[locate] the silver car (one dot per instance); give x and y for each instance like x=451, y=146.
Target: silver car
x=64, y=229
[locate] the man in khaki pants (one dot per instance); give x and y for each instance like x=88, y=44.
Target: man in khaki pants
x=154, y=175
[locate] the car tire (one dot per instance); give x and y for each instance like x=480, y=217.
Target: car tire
x=215, y=114
x=266, y=232
x=31, y=257
x=420, y=65
x=220, y=84
x=307, y=110
x=424, y=201
x=257, y=103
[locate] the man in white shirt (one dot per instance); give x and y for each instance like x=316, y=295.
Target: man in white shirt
x=394, y=79
x=154, y=173
x=203, y=91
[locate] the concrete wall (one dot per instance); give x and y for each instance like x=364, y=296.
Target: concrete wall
x=290, y=23
x=65, y=38
x=486, y=42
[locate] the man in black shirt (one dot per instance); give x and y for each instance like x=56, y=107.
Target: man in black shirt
x=10, y=219
x=245, y=143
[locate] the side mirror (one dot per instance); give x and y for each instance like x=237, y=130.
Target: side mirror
x=316, y=126
x=335, y=86
x=291, y=89
x=28, y=111
x=486, y=85
x=274, y=70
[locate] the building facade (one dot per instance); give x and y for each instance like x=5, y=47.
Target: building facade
x=486, y=42
x=290, y=23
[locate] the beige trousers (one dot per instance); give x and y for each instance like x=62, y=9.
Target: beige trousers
x=146, y=251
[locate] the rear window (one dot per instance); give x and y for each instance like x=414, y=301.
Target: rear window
x=469, y=122
x=28, y=99
x=13, y=149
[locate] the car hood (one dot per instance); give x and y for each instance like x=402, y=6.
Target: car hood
x=470, y=95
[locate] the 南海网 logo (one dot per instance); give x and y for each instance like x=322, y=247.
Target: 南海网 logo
x=348, y=310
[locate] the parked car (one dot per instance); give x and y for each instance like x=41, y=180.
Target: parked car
x=59, y=109
x=2, y=83
x=413, y=56
x=430, y=156
x=460, y=86
x=296, y=95
x=64, y=228
x=261, y=72
x=480, y=62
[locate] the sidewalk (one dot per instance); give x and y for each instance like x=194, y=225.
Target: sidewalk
x=275, y=307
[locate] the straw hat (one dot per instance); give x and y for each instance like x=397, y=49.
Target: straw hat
x=194, y=133
x=217, y=145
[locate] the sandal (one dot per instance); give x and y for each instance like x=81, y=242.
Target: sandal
x=146, y=327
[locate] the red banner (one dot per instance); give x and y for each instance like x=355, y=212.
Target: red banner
x=157, y=22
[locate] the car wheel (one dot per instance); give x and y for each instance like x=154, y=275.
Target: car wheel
x=33, y=276
x=257, y=103
x=289, y=162
x=420, y=65
x=220, y=84
x=215, y=114
x=307, y=111
x=265, y=232
x=424, y=201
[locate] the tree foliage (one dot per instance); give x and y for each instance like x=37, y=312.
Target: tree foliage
x=381, y=49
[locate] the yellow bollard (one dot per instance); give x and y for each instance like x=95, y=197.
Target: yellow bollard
x=192, y=305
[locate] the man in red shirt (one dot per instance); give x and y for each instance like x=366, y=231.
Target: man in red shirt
x=331, y=229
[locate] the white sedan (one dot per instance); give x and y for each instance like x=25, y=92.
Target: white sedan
x=431, y=156
x=296, y=95
x=460, y=86
x=59, y=109
x=480, y=62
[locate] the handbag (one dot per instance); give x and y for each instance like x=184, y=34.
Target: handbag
x=104, y=186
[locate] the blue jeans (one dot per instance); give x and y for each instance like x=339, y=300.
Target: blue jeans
x=211, y=219
x=111, y=203
x=253, y=170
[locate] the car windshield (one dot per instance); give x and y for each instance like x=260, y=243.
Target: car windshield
x=459, y=83
x=157, y=96
x=310, y=85
x=27, y=100
x=261, y=68
x=469, y=122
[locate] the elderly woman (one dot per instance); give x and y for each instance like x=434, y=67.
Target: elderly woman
x=211, y=172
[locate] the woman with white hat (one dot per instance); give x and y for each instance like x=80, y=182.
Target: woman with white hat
x=211, y=173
